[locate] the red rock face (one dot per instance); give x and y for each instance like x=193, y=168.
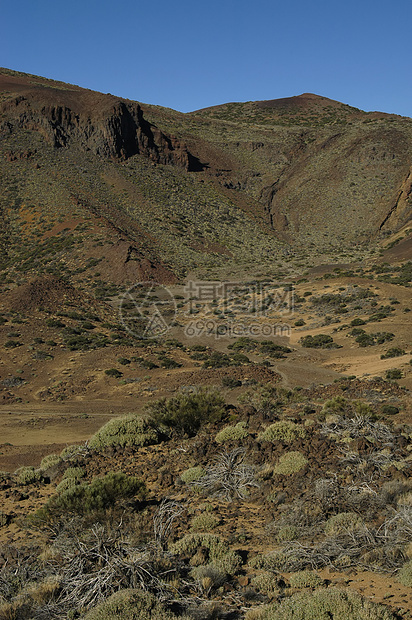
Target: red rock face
x=107, y=126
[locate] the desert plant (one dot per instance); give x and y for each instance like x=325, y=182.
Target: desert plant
x=323, y=604
x=208, y=577
x=27, y=475
x=229, y=476
x=66, y=483
x=187, y=412
x=218, y=551
x=393, y=352
x=232, y=433
x=113, y=372
x=192, y=475
x=204, y=522
x=272, y=561
x=131, y=430
x=343, y=522
x=290, y=463
x=163, y=519
x=283, y=430
x=358, y=426
x=230, y=382
x=97, y=563
x=73, y=451
x=86, y=498
x=75, y=473
x=320, y=341
x=405, y=574
x=393, y=374
x=338, y=404
x=389, y=410
x=266, y=583
x=287, y=532
x=51, y=460
x=305, y=579
x=130, y=604
x=357, y=321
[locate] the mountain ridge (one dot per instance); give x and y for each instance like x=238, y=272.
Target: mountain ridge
x=228, y=186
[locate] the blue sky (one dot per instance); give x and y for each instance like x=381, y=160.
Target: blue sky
x=187, y=55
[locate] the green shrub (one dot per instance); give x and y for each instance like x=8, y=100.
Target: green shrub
x=389, y=410
x=342, y=523
x=323, y=604
x=131, y=605
x=272, y=561
x=365, y=340
x=290, y=463
x=305, y=579
x=338, y=404
x=320, y=341
x=54, y=323
x=393, y=352
x=242, y=344
x=208, y=576
x=287, y=532
x=283, y=430
x=130, y=431
x=266, y=583
x=220, y=554
x=75, y=473
x=187, y=412
x=192, y=474
x=204, y=522
x=51, y=460
x=27, y=475
x=148, y=364
x=113, y=372
x=267, y=347
x=405, y=574
x=70, y=452
x=232, y=433
x=100, y=494
x=393, y=373
x=356, y=322
x=230, y=382
x=168, y=362
x=216, y=359
x=85, y=342
x=12, y=344
x=67, y=483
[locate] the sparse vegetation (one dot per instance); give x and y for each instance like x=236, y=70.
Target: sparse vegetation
x=306, y=452
x=127, y=431
x=320, y=341
x=88, y=498
x=187, y=412
x=290, y=463
x=284, y=431
x=322, y=605
x=232, y=433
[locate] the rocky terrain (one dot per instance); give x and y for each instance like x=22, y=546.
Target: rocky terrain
x=205, y=365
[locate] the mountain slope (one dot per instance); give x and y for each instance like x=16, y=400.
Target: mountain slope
x=144, y=192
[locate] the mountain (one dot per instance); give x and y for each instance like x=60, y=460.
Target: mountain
x=237, y=442
x=150, y=193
